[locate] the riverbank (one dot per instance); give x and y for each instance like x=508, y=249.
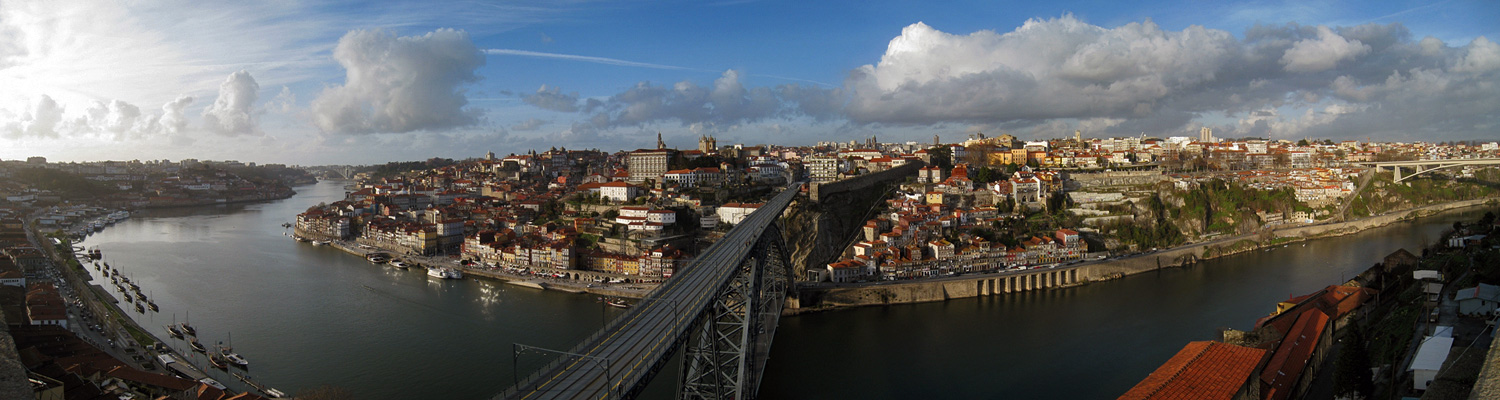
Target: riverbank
x=815, y=298
x=633, y=291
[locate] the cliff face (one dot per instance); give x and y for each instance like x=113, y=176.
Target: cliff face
x=13, y=382
x=818, y=232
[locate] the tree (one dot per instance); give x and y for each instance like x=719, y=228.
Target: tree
x=1281, y=160
x=1351, y=374
x=1302, y=143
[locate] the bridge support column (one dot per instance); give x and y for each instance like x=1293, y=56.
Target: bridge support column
x=727, y=353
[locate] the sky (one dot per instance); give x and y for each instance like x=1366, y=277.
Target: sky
x=334, y=82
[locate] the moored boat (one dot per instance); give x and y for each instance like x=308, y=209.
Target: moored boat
x=400, y=264
x=218, y=362
x=174, y=331
x=445, y=273
x=198, y=347
x=212, y=383
x=617, y=303
x=139, y=308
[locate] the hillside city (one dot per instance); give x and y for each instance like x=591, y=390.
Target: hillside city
x=992, y=202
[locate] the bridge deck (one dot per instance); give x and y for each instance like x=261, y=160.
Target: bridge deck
x=619, y=357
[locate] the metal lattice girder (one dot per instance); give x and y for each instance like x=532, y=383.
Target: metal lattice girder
x=726, y=356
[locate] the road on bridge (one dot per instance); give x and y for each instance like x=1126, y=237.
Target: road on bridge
x=624, y=355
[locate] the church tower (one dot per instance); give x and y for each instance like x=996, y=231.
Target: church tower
x=660, y=144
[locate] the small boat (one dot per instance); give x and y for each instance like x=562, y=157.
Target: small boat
x=617, y=303
x=444, y=273
x=153, y=306
x=378, y=258
x=320, y=243
x=213, y=383
x=188, y=329
x=229, y=354
x=106, y=273
x=139, y=308
x=275, y=394
x=218, y=362
x=400, y=264
x=172, y=330
x=198, y=347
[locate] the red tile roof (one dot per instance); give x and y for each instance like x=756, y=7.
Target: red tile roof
x=1201, y=370
x=1293, y=353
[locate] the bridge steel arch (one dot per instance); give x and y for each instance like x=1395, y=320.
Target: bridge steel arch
x=1424, y=166
x=722, y=310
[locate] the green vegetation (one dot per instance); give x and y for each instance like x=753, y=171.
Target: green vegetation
x=1351, y=375
x=1216, y=206
x=400, y=167
x=1384, y=196
x=68, y=185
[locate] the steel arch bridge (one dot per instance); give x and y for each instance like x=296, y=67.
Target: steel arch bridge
x=1423, y=166
x=722, y=311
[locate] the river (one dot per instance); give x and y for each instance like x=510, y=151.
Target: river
x=307, y=316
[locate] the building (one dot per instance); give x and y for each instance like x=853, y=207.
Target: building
x=648, y=164
x=44, y=306
x=1206, y=135
x=822, y=169
x=1429, y=360
x=619, y=191
x=733, y=213
x=708, y=144
x=1480, y=300
x=1203, y=370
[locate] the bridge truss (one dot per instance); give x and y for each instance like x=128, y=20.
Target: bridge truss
x=722, y=311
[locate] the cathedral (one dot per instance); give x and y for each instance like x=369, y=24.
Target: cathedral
x=707, y=144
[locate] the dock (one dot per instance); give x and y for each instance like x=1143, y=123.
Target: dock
x=175, y=363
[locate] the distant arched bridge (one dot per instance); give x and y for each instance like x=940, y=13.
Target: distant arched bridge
x=1419, y=167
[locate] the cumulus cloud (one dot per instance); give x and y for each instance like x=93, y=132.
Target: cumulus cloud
x=1051, y=76
x=552, y=98
x=1321, y=53
x=173, y=120
x=530, y=124
x=400, y=84
x=726, y=102
x=230, y=113
x=40, y=121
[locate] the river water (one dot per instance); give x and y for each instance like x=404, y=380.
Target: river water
x=308, y=316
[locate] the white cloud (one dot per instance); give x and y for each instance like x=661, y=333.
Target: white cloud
x=40, y=121
x=400, y=84
x=173, y=119
x=1055, y=68
x=230, y=114
x=552, y=98
x=1322, y=53
x=1480, y=56
x=529, y=124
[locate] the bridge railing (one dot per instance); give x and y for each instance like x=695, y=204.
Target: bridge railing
x=617, y=323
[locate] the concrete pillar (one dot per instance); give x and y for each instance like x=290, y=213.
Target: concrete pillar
x=1073, y=275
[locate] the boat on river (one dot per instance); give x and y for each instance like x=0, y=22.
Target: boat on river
x=218, y=362
x=139, y=308
x=617, y=303
x=188, y=329
x=198, y=347
x=444, y=273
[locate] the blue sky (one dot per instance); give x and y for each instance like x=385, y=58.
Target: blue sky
x=334, y=82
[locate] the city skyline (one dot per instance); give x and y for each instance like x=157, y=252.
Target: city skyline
x=327, y=83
